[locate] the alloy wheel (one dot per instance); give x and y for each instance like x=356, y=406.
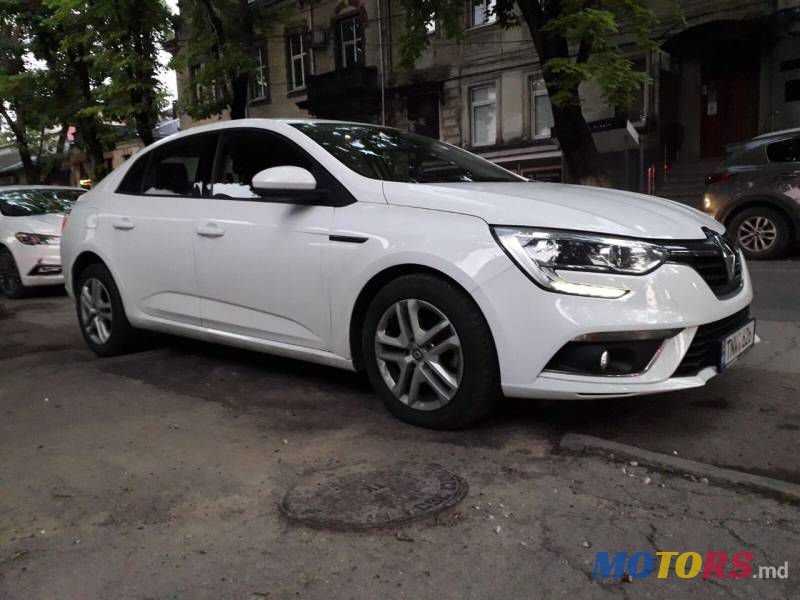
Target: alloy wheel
x=96, y=314
x=757, y=233
x=419, y=354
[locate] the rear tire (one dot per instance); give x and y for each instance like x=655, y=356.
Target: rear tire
x=10, y=281
x=763, y=233
x=101, y=315
x=438, y=367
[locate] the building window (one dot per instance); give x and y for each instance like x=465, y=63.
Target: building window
x=351, y=42
x=259, y=81
x=483, y=107
x=430, y=26
x=203, y=93
x=482, y=13
x=792, y=90
x=298, y=61
x=541, y=110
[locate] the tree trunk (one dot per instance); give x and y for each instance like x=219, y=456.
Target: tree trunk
x=240, y=81
x=31, y=169
x=580, y=153
x=142, y=95
x=569, y=125
x=53, y=162
x=88, y=125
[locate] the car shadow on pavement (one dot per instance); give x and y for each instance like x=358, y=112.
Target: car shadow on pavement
x=707, y=424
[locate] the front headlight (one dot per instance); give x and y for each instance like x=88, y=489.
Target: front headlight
x=542, y=252
x=36, y=239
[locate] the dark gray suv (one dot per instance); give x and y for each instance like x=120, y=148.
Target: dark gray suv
x=755, y=192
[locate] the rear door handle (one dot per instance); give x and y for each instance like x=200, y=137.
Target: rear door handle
x=210, y=230
x=123, y=223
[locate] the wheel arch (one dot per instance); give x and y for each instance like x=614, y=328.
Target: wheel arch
x=765, y=202
x=374, y=284
x=82, y=261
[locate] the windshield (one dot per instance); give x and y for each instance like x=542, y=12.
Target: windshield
x=392, y=155
x=24, y=203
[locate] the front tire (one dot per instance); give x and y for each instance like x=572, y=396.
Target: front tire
x=10, y=282
x=429, y=353
x=763, y=233
x=101, y=315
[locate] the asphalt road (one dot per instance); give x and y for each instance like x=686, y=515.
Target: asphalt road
x=158, y=474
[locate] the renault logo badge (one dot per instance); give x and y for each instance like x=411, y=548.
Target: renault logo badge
x=728, y=255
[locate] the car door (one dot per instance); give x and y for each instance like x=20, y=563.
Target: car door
x=149, y=223
x=259, y=258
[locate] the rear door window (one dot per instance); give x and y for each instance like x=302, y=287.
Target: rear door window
x=179, y=168
x=784, y=151
x=134, y=178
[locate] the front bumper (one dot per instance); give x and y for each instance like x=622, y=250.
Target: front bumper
x=38, y=265
x=530, y=325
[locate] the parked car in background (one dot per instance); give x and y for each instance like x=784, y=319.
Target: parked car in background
x=30, y=234
x=445, y=277
x=755, y=192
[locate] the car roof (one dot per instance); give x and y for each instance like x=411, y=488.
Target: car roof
x=17, y=188
x=245, y=123
x=780, y=133
x=252, y=122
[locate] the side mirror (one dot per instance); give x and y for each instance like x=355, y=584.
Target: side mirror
x=284, y=179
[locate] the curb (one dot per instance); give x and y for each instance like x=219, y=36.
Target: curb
x=575, y=442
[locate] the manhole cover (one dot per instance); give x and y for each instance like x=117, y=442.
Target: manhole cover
x=361, y=497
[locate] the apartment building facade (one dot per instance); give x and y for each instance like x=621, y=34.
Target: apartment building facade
x=725, y=72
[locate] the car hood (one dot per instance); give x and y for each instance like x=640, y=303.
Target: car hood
x=558, y=206
x=49, y=224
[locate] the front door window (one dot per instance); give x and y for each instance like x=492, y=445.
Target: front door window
x=245, y=153
x=351, y=40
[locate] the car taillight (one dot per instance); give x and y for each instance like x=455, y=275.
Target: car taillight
x=719, y=177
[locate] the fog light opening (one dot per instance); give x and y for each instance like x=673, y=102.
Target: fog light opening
x=630, y=357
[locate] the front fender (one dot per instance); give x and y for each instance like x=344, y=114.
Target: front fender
x=460, y=247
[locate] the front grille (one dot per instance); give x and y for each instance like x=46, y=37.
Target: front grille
x=707, y=258
x=705, y=348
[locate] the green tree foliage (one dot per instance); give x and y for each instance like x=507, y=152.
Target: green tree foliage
x=221, y=53
x=111, y=47
x=79, y=62
x=576, y=42
x=132, y=32
x=28, y=109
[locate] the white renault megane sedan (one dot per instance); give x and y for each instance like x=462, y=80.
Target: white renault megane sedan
x=445, y=277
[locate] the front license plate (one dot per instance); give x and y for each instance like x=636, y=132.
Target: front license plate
x=737, y=343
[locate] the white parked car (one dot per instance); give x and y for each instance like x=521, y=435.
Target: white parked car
x=445, y=277
x=30, y=230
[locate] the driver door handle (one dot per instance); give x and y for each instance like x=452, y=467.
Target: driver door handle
x=123, y=223
x=210, y=230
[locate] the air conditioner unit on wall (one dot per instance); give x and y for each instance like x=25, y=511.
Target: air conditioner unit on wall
x=318, y=37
